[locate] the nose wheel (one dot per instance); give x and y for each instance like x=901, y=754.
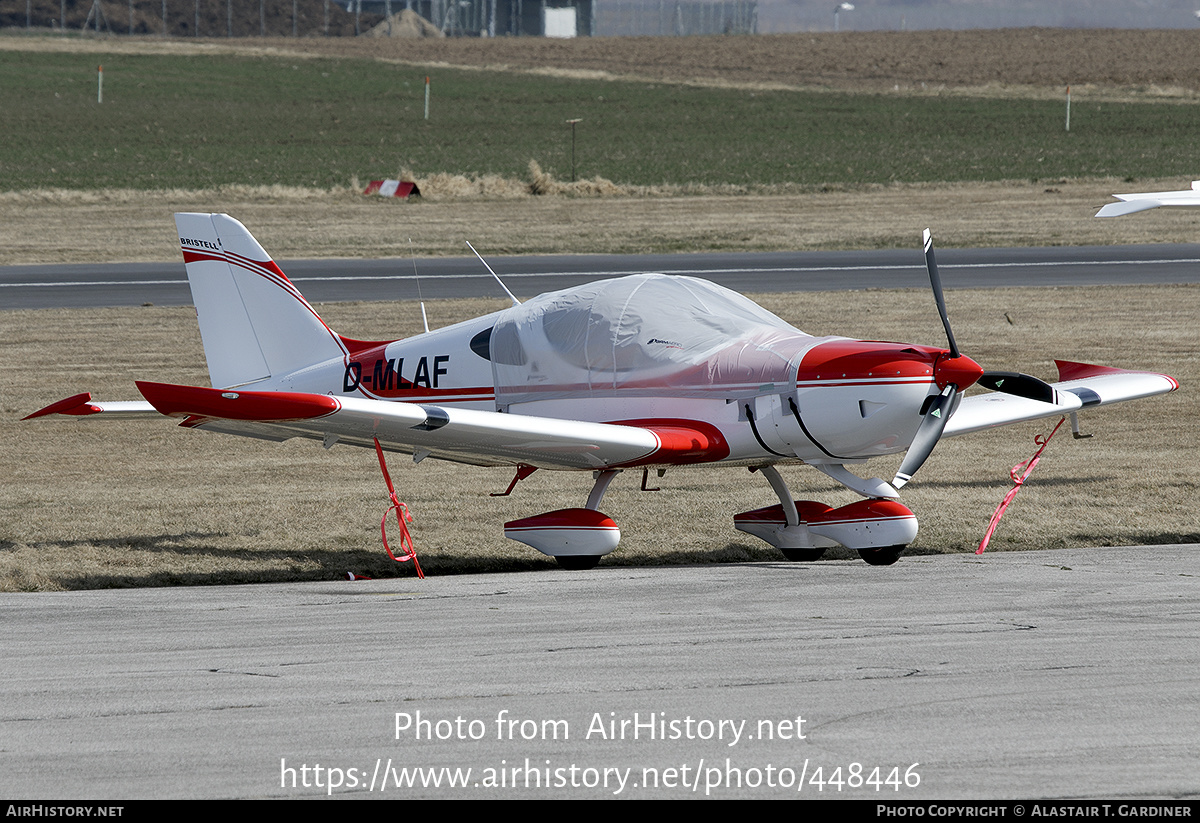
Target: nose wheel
x=879, y=529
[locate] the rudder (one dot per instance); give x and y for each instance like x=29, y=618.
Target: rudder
x=256, y=326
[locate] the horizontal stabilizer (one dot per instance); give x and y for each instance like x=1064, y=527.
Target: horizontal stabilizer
x=1131, y=203
x=82, y=405
x=1128, y=207
x=194, y=401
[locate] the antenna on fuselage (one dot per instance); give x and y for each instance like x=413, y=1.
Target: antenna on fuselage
x=516, y=302
x=420, y=299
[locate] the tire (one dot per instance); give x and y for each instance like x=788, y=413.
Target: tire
x=577, y=562
x=803, y=555
x=881, y=557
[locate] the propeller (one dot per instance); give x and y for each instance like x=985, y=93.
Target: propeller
x=936, y=282
x=928, y=435
x=955, y=373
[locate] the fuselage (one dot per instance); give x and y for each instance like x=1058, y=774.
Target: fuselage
x=771, y=391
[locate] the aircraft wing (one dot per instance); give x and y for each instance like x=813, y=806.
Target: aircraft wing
x=467, y=436
x=1080, y=386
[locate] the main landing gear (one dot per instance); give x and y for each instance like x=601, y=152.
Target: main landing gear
x=576, y=538
x=802, y=529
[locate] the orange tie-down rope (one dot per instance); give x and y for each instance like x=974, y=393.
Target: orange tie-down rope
x=403, y=517
x=1019, y=474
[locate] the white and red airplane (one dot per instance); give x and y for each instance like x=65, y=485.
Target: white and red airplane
x=640, y=372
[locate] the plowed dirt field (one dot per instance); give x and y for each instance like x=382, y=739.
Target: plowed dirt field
x=1152, y=62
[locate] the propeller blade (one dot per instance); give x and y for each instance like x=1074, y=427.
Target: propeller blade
x=1022, y=385
x=950, y=371
x=928, y=435
x=936, y=282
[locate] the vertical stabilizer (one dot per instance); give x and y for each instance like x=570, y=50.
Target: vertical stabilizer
x=256, y=326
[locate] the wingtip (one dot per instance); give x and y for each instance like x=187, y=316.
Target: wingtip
x=1070, y=370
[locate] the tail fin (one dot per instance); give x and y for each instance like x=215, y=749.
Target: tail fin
x=256, y=326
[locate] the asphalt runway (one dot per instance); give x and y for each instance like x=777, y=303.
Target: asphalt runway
x=165, y=284
x=1055, y=674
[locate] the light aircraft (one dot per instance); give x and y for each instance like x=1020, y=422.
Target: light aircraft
x=640, y=372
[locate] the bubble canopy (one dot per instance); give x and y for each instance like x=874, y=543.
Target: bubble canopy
x=639, y=335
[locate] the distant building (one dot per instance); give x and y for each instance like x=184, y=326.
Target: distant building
x=576, y=18
x=495, y=18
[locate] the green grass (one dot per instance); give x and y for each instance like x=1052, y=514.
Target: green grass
x=197, y=122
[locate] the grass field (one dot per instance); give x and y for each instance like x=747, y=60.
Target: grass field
x=195, y=122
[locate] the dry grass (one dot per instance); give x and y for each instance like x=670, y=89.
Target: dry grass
x=500, y=217
x=87, y=504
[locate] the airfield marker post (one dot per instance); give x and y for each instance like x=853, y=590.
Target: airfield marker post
x=426, y=97
x=99, y=84
x=1068, y=108
x=573, y=123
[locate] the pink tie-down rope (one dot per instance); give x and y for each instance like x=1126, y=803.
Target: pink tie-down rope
x=403, y=517
x=1019, y=474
